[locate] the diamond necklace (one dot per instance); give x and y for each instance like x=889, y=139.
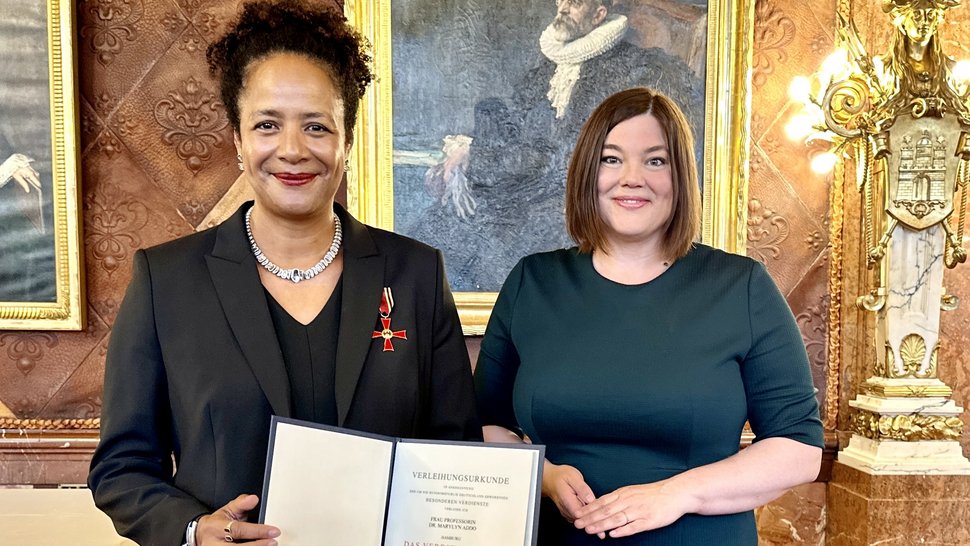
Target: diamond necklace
x=296, y=275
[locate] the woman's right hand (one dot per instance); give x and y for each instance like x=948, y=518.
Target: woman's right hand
x=567, y=488
x=211, y=529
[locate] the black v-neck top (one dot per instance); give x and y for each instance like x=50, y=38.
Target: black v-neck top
x=310, y=354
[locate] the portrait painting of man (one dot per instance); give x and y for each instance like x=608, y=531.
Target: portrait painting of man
x=27, y=264
x=489, y=97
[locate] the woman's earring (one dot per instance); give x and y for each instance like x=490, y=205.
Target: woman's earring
x=239, y=159
x=347, y=165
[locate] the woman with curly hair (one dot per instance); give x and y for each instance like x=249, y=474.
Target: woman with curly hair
x=290, y=307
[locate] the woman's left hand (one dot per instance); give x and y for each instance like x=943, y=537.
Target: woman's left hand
x=633, y=509
x=228, y=524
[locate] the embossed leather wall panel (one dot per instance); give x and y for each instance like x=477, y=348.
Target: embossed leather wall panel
x=787, y=207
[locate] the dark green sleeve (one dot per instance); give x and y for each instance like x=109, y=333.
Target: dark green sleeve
x=498, y=360
x=777, y=379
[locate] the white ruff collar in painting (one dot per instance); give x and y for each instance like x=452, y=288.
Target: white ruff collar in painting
x=570, y=56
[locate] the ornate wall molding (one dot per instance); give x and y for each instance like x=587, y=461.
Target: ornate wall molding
x=774, y=31
x=26, y=348
x=115, y=220
x=766, y=231
x=193, y=119
x=836, y=256
x=113, y=25
x=10, y=426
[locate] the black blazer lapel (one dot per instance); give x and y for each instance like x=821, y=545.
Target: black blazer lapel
x=233, y=271
x=363, y=280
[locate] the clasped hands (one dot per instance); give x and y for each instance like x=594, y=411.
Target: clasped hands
x=228, y=524
x=624, y=512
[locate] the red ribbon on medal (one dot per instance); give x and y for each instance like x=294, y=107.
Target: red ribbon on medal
x=387, y=304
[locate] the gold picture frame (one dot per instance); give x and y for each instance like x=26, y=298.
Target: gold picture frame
x=59, y=216
x=729, y=34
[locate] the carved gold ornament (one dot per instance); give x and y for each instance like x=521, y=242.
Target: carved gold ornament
x=847, y=107
x=908, y=390
x=12, y=423
x=912, y=352
x=906, y=428
x=905, y=119
x=882, y=364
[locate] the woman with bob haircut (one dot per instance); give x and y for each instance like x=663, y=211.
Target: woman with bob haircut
x=637, y=356
x=290, y=307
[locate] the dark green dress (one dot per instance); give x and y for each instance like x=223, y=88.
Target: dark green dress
x=634, y=384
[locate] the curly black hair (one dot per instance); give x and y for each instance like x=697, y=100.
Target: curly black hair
x=265, y=27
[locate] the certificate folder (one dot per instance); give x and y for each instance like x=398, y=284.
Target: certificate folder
x=328, y=485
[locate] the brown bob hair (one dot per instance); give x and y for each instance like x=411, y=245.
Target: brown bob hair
x=583, y=219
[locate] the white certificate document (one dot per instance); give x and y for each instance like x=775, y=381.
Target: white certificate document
x=460, y=494
x=326, y=485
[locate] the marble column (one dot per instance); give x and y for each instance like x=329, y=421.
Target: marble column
x=904, y=421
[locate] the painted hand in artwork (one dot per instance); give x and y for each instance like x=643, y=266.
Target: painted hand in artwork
x=447, y=181
x=17, y=168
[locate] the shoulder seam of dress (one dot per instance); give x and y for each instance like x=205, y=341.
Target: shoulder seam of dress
x=518, y=289
x=752, y=265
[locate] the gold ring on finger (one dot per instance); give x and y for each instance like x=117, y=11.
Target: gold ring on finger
x=228, y=530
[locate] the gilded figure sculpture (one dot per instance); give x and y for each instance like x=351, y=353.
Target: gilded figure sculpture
x=904, y=117
x=908, y=120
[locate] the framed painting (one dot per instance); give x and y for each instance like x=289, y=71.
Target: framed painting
x=40, y=249
x=464, y=138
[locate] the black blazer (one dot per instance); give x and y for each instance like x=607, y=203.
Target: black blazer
x=194, y=371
